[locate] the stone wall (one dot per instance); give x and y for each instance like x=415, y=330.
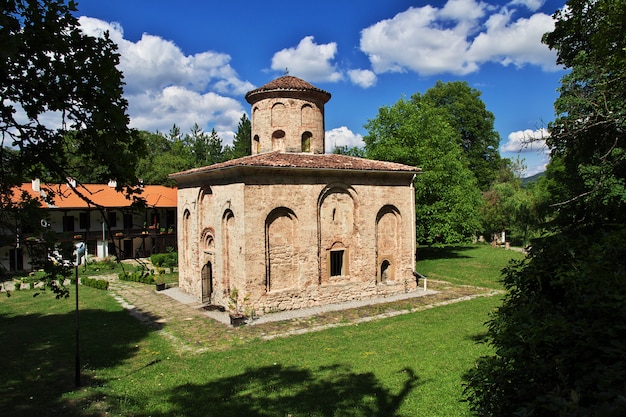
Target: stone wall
x=279, y=124
x=272, y=235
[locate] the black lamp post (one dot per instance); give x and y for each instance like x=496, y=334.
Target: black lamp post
x=79, y=251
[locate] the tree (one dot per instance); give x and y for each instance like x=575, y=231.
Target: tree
x=203, y=149
x=350, y=151
x=56, y=82
x=176, y=152
x=559, y=337
x=415, y=132
x=468, y=115
x=242, y=143
x=62, y=111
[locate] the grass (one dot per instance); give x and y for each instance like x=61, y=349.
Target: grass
x=478, y=265
x=408, y=365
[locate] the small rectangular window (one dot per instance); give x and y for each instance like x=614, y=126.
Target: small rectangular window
x=128, y=221
x=83, y=220
x=336, y=263
x=68, y=223
x=112, y=219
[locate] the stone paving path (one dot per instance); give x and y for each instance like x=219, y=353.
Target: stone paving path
x=181, y=319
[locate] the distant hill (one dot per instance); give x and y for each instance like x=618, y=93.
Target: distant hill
x=532, y=179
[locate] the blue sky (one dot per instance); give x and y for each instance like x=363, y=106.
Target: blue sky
x=192, y=61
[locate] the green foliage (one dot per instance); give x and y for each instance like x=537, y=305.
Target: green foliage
x=242, y=142
x=51, y=66
x=174, y=153
x=137, y=276
x=415, y=132
x=350, y=151
x=100, y=284
x=468, y=115
x=559, y=337
x=166, y=260
x=588, y=136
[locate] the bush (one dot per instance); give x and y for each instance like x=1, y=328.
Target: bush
x=100, y=284
x=143, y=277
x=166, y=260
x=559, y=336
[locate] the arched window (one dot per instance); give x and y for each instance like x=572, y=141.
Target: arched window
x=278, y=114
x=308, y=115
x=278, y=140
x=228, y=247
x=337, y=212
x=388, y=242
x=186, y=236
x=306, y=141
x=281, y=228
x=256, y=145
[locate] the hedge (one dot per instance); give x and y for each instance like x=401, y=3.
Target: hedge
x=100, y=284
x=137, y=276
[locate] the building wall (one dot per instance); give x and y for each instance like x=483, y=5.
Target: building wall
x=282, y=124
x=273, y=239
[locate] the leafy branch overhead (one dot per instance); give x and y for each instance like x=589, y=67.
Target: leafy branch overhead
x=56, y=82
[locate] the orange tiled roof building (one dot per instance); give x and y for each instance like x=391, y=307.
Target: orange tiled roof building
x=289, y=226
x=119, y=229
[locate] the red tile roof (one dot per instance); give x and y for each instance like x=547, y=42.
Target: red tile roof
x=101, y=194
x=286, y=83
x=303, y=161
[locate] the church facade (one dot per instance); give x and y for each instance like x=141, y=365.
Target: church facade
x=289, y=226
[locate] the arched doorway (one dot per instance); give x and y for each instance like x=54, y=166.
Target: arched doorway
x=207, y=282
x=384, y=270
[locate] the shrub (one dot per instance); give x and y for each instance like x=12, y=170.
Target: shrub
x=100, y=284
x=166, y=260
x=136, y=276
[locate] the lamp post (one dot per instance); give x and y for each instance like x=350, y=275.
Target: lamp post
x=79, y=251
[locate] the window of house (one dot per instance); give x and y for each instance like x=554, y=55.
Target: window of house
x=112, y=219
x=68, y=223
x=170, y=218
x=128, y=220
x=336, y=263
x=84, y=220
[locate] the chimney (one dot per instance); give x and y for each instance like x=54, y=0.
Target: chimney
x=36, y=185
x=112, y=183
x=71, y=181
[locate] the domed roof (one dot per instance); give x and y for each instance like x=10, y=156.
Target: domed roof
x=287, y=85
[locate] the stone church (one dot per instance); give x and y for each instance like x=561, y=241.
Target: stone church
x=289, y=226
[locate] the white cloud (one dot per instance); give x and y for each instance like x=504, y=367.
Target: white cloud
x=342, y=136
x=527, y=141
x=164, y=86
x=457, y=38
x=411, y=41
x=514, y=42
x=309, y=61
x=532, y=5
x=362, y=78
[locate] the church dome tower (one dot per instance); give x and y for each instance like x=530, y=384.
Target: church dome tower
x=288, y=116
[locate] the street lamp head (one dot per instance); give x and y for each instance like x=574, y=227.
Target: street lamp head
x=79, y=252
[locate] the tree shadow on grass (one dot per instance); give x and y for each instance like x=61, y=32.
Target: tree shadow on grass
x=442, y=252
x=291, y=391
x=38, y=356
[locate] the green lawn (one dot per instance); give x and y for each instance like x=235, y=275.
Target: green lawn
x=478, y=265
x=409, y=365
